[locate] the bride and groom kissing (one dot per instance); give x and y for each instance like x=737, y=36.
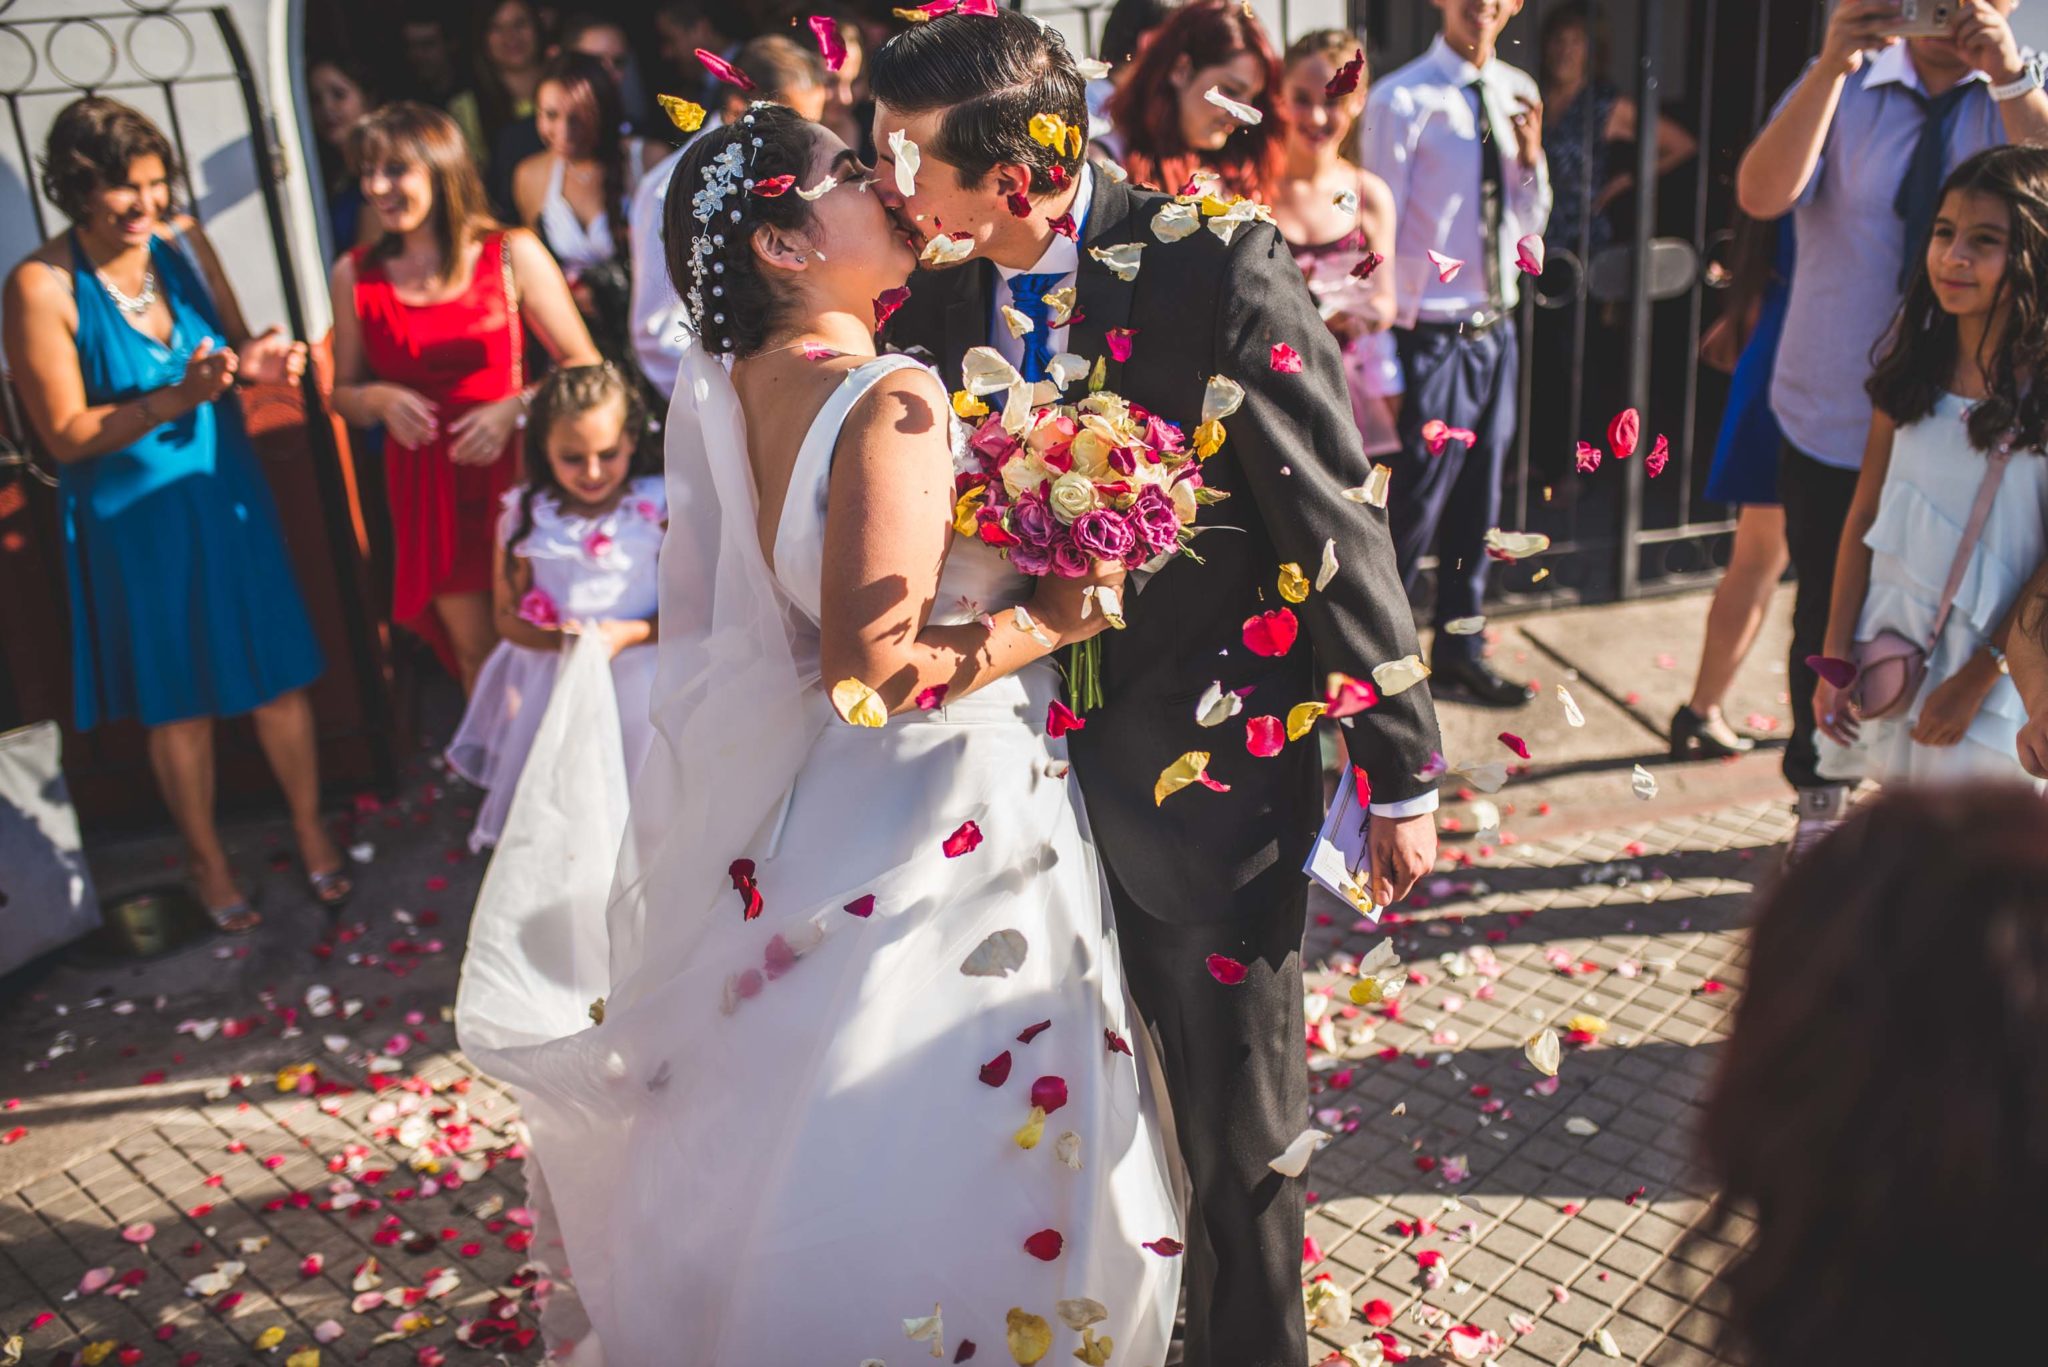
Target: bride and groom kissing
x=910, y=1042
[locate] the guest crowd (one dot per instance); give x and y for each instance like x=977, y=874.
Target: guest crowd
x=506, y=337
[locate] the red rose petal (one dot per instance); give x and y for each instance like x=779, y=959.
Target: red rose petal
x=1166, y=1247
x=1271, y=633
x=40, y=1320
x=1045, y=1245
x=930, y=698
x=887, y=302
x=1840, y=673
x=996, y=1071
x=966, y=1348
x=1060, y=719
x=1348, y=696
x=1264, y=737
x=14, y=1136
x=1049, y=1093
x=1514, y=743
x=1118, y=340
x=724, y=70
x=1020, y=204
x=1588, y=457
x=1378, y=1314
x=1115, y=1043
x=1032, y=1032
x=1347, y=77
x=1367, y=264
x=774, y=187
x=862, y=906
x=1064, y=225
x=1285, y=359
x=830, y=45
x=1623, y=431
x=962, y=841
x=742, y=874
x=1226, y=970
x=1659, y=457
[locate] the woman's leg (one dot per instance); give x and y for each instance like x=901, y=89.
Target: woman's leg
x=1736, y=615
x=467, y=616
x=181, y=754
x=284, y=727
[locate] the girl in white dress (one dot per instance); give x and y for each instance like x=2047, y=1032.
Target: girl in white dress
x=864, y=1082
x=1958, y=384
x=577, y=545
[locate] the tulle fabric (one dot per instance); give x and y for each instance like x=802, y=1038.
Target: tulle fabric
x=775, y=1145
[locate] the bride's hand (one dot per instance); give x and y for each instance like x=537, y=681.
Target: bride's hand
x=1062, y=605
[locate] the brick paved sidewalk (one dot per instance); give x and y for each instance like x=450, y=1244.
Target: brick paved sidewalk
x=1555, y=1222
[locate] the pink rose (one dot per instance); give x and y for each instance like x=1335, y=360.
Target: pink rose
x=598, y=545
x=1035, y=561
x=1032, y=522
x=1154, y=520
x=1104, y=535
x=536, y=607
x=1068, y=560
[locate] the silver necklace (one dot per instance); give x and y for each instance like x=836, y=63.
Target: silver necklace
x=135, y=304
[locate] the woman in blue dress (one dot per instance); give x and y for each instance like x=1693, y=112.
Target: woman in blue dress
x=1743, y=340
x=125, y=342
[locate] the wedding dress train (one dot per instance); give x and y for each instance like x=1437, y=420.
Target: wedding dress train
x=799, y=1132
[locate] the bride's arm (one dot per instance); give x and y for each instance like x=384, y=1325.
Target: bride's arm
x=890, y=515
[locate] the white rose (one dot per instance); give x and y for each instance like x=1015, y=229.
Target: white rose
x=1023, y=473
x=1072, y=495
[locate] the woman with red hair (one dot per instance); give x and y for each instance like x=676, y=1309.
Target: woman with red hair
x=1171, y=111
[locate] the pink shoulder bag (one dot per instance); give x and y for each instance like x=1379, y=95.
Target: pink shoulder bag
x=1890, y=666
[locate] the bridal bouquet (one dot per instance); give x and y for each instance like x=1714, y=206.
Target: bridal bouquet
x=1055, y=485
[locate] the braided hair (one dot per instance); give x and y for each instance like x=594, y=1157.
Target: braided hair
x=565, y=393
x=712, y=213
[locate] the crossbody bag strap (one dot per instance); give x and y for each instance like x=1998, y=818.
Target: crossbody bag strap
x=1973, y=531
x=512, y=312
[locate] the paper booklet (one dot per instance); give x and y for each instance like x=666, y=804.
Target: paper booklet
x=1341, y=847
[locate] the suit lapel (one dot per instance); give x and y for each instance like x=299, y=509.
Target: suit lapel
x=1103, y=300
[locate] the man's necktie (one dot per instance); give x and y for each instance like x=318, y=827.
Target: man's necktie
x=1028, y=298
x=1919, y=196
x=1489, y=196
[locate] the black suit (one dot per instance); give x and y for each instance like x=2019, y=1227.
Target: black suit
x=1207, y=872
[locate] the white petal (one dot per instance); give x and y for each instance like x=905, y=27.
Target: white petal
x=1175, y=221
x=1398, y=676
x=1082, y=1311
x=1065, y=368
x=1465, y=626
x=1293, y=1160
x=1572, y=715
x=1221, y=398
x=1516, y=545
x=1067, y=1148
x=1217, y=705
x=1243, y=113
x=820, y=190
x=1121, y=258
x=1374, y=490
x=1347, y=200
x=1117, y=174
x=1022, y=617
x=1643, y=783
x=1017, y=321
x=998, y=956
x=1485, y=816
x=1543, y=1052
x=907, y=161
x=984, y=372
x=1329, y=568
x=927, y=1329
x=1489, y=777
x=1580, y=1126
x=946, y=250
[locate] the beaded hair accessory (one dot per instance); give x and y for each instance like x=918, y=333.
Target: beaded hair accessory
x=720, y=176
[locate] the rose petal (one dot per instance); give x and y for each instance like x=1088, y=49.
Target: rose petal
x=1344, y=696
x=687, y=116
x=139, y=1233
x=1515, y=545
x=1398, y=676
x=1378, y=1313
x=742, y=874
x=1572, y=715
x=1049, y=1093
x=996, y=1071
x=963, y=841
x=1165, y=1247
x=1264, y=737
x=727, y=72
x=1543, y=1052
x=997, y=956
x=774, y=187
x=1079, y=1313
x=1327, y=571
x=1659, y=457
x=1529, y=254
x=1588, y=458
x=1642, y=783
x=1840, y=673
x=1060, y=719
x=887, y=302
x=1217, y=705
x=1221, y=397
x=1116, y=1044
x=1121, y=259
x=1514, y=743
x=830, y=45
x=1624, y=429
x=1367, y=264
x=1347, y=77
x=1301, y=718
x=862, y=906
x=1029, y=1336
x=1293, y=1160
x=1447, y=267
x=1294, y=586
x=1045, y=1245
x=1226, y=970
x=1243, y=113
x=1176, y=220
x=1190, y=768
x=1285, y=359
x=858, y=705
x=908, y=158
x=1271, y=634
x=1118, y=340
x=947, y=249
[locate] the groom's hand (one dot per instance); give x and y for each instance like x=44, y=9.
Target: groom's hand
x=1403, y=849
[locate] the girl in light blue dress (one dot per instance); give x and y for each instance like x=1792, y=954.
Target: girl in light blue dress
x=1957, y=385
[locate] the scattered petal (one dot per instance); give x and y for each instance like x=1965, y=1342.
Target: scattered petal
x=1514, y=743
x=741, y=872
x=831, y=46
x=1543, y=1052
x=1346, y=202
x=1659, y=457
x=1079, y=1313
x=1293, y=1160
x=862, y=906
x=1587, y=458
x=997, y=956
x=1580, y=1126
x=1121, y=259
x=933, y=697
x=1166, y=1247
x=1243, y=113
x=1437, y=435
x=1017, y=321
x=1264, y=737
x=928, y=1329
x=1642, y=783
x=1029, y=1337
x=1624, y=429
x=1344, y=696
x=1374, y=491
x=727, y=72
x=1045, y=1245
x=1060, y=719
x=888, y=301
x=1032, y=1032
x=858, y=705
x=1840, y=673
x=1529, y=254
x=1118, y=340
x=1272, y=633
x=996, y=1071
x=1378, y=1313
x=1398, y=676
x=1067, y=1149
x=774, y=187
x=688, y=117
x=1176, y=220
x=1470, y=1343
x=1347, y=77
x=1367, y=264
x=1515, y=545
x=1226, y=970
x=1217, y=705
x=1190, y=768
x=963, y=841
x=1572, y=715
x=908, y=158
x=947, y=249
x=1604, y=1341
x=1327, y=571
x=1221, y=397
x=1286, y=360
x=1033, y=1130
x=139, y=1233
x=813, y=193
x=1293, y=583
x=1447, y=267
x=1301, y=718
x=1049, y=1093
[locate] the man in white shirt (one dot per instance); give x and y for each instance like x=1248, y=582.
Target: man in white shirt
x=1457, y=134
x=659, y=322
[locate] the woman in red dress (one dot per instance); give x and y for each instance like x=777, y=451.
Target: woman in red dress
x=430, y=328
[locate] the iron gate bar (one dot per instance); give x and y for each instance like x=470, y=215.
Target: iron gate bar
x=1696, y=306
x=318, y=423
x=1649, y=33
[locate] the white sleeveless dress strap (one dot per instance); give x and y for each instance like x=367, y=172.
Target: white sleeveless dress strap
x=799, y=558
x=578, y=246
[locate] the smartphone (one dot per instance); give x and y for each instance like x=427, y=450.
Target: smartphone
x=1922, y=19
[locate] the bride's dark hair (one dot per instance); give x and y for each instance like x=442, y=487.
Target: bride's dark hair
x=733, y=306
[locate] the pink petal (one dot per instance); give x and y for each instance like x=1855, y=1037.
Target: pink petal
x=1060, y=719
x=1264, y=736
x=1588, y=457
x=887, y=302
x=1064, y=225
x=1447, y=267
x=1045, y=1245
x=1623, y=431
x=724, y=70
x=862, y=906
x=1286, y=359
x=962, y=841
x=1166, y=1247
x=996, y=1071
x=830, y=45
x=140, y=1232
x=1226, y=970
x=1840, y=673
x=934, y=697
x=1119, y=342
x=1514, y=743
x=1049, y=1093
x=1367, y=264
x=1529, y=254
x=1032, y=1032
x=1347, y=697
x=1659, y=457
x=1378, y=1314
x=1271, y=633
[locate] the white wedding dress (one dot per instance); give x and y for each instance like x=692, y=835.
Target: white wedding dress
x=791, y=1137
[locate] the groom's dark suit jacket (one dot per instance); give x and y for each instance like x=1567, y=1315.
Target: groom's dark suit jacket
x=1201, y=308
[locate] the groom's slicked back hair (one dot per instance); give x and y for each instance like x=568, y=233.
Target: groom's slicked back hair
x=990, y=74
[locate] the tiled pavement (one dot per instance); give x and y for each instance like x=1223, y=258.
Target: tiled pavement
x=1576, y=1229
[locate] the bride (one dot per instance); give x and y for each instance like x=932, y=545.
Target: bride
x=861, y=1083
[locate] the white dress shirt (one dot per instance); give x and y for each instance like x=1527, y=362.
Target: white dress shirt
x=660, y=323
x=1421, y=135
x=1061, y=255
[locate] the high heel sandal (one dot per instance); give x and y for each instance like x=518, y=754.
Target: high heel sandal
x=1694, y=736
x=333, y=888
x=242, y=910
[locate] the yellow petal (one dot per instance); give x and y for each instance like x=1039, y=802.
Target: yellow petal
x=1591, y=1025
x=1293, y=583
x=1016, y=320
x=1186, y=770
x=1033, y=1131
x=966, y=406
x=1094, y=1351
x=1047, y=130
x=1367, y=992
x=857, y=704
x=270, y=1338
x=687, y=117
x=1301, y=718
x=93, y=1354
x=964, y=521
x=1030, y=1337
x=305, y=1357
x=1099, y=376
x=597, y=1011
x=1061, y=302
x=1208, y=439
x=1073, y=141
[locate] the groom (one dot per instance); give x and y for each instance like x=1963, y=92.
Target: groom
x=1206, y=872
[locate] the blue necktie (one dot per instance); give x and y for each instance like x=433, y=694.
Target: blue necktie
x=1028, y=298
x=1919, y=196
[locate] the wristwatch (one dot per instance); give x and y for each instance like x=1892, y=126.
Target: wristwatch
x=1998, y=656
x=2025, y=83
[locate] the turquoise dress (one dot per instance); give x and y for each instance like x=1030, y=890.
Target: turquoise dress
x=183, y=601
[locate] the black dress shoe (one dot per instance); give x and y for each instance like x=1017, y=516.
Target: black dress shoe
x=1475, y=681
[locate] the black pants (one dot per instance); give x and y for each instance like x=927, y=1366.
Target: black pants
x=1816, y=499
x=1238, y=1085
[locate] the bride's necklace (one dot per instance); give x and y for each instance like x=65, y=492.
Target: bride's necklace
x=134, y=305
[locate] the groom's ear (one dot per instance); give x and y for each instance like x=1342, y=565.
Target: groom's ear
x=1010, y=178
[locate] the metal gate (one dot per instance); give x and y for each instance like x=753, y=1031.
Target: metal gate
x=192, y=70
